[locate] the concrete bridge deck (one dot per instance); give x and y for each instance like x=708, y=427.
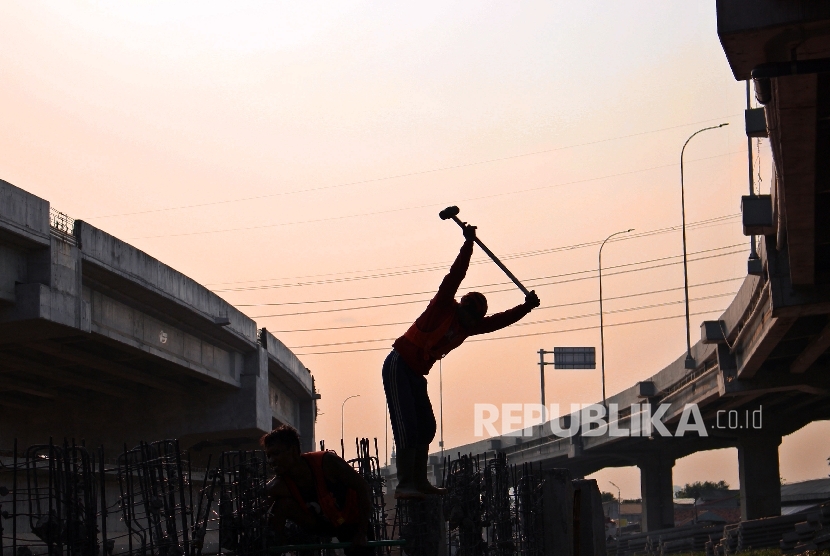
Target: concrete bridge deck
x=100, y=340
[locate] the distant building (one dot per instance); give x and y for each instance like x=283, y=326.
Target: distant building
x=716, y=506
x=802, y=496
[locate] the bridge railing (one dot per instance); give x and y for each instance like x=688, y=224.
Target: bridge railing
x=62, y=226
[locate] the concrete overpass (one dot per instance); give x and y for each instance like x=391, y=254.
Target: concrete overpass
x=769, y=349
x=100, y=341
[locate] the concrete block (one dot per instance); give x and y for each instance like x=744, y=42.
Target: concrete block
x=558, y=499
x=712, y=332
x=756, y=212
x=646, y=389
x=589, y=519
x=755, y=122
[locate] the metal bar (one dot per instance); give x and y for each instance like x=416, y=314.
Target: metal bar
x=14, y=500
x=495, y=259
x=104, y=512
x=332, y=545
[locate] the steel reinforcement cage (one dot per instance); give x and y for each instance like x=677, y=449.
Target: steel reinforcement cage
x=65, y=499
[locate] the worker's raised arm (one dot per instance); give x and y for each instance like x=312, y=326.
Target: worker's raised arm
x=458, y=270
x=506, y=318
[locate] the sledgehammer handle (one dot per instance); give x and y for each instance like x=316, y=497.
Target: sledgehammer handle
x=495, y=259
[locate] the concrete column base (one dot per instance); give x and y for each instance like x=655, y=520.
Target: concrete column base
x=558, y=499
x=589, y=519
x=657, y=492
x=760, y=476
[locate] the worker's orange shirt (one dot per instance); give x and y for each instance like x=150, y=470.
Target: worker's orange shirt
x=420, y=349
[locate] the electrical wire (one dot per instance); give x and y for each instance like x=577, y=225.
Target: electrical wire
x=404, y=175
x=558, y=306
x=432, y=205
x=364, y=298
x=530, y=333
x=431, y=267
x=545, y=321
x=377, y=305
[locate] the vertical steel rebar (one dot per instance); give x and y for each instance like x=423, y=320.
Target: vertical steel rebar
x=104, y=512
x=14, y=500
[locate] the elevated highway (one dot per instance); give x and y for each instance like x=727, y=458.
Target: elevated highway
x=100, y=341
x=769, y=349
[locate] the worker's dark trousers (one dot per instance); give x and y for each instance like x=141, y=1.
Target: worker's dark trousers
x=413, y=423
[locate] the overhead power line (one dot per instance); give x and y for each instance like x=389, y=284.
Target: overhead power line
x=545, y=321
x=550, y=332
x=528, y=281
x=431, y=205
x=558, y=306
x=389, y=272
x=394, y=295
x=403, y=175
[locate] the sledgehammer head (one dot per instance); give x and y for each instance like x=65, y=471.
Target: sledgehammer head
x=448, y=213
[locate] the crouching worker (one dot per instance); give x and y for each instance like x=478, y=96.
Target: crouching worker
x=318, y=491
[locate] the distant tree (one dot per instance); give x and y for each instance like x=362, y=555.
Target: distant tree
x=608, y=497
x=694, y=490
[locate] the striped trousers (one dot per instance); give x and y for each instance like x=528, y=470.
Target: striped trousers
x=413, y=422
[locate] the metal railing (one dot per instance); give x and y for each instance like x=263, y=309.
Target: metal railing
x=62, y=226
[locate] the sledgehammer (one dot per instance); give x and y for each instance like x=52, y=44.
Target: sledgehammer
x=452, y=212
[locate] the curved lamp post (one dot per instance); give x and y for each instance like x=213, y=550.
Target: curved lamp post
x=619, y=496
x=601, y=333
x=342, y=408
x=690, y=361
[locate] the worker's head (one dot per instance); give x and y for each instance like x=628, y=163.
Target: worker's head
x=473, y=308
x=282, y=447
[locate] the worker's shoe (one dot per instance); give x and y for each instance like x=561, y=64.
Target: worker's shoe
x=405, y=462
x=421, y=480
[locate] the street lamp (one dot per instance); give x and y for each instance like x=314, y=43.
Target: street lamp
x=619, y=496
x=619, y=505
x=601, y=333
x=342, y=408
x=690, y=362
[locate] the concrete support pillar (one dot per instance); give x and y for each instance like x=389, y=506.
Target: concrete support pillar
x=656, y=491
x=589, y=520
x=558, y=499
x=308, y=410
x=759, y=475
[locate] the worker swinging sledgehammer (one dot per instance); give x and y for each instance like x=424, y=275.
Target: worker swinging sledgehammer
x=442, y=327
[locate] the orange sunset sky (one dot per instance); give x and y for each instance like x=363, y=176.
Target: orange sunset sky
x=293, y=157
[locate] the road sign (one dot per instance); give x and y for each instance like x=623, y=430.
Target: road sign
x=574, y=358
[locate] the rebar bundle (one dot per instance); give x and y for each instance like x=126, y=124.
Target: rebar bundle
x=529, y=510
x=496, y=510
x=154, y=495
x=53, y=502
x=498, y=505
x=232, y=510
x=368, y=467
x=463, y=506
x=61, y=504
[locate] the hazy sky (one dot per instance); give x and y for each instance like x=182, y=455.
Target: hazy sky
x=291, y=154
